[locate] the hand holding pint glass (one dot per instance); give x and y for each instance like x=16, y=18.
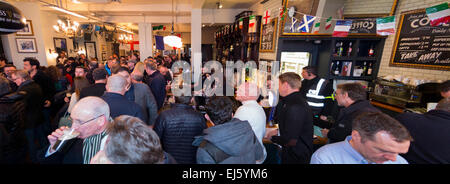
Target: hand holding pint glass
x=60, y=136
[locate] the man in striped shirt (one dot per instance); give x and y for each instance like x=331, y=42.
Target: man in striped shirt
x=89, y=117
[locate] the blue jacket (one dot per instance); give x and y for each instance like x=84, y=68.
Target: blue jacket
x=157, y=84
x=120, y=105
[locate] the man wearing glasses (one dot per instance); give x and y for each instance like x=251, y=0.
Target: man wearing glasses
x=89, y=116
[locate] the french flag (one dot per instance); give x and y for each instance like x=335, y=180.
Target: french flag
x=342, y=28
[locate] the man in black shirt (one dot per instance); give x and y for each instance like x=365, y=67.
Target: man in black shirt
x=98, y=88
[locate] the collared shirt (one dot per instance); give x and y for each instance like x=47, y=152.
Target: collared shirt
x=343, y=153
x=92, y=145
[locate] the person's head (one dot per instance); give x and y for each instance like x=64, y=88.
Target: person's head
x=136, y=77
x=99, y=74
x=247, y=91
x=379, y=137
x=151, y=67
x=113, y=62
x=131, y=64
x=4, y=86
x=93, y=64
x=116, y=84
x=71, y=60
x=219, y=109
x=53, y=72
x=82, y=56
x=9, y=69
x=444, y=88
x=444, y=105
x=309, y=72
x=20, y=76
x=90, y=116
x=349, y=93
x=183, y=99
x=130, y=141
x=163, y=70
x=125, y=73
x=81, y=71
x=289, y=82
x=3, y=61
x=79, y=84
x=31, y=64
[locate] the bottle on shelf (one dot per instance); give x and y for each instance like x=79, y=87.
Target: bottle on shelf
x=371, y=51
x=339, y=48
x=344, y=69
x=369, y=70
x=364, y=69
x=349, y=50
x=336, y=69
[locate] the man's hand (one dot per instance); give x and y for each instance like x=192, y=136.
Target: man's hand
x=325, y=132
x=271, y=132
x=52, y=138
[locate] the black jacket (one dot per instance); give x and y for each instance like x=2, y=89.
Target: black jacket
x=294, y=118
x=46, y=84
x=157, y=84
x=343, y=125
x=120, y=105
x=431, y=134
x=177, y=128
x=97, y=90
x=71, y=154
x=34, y=103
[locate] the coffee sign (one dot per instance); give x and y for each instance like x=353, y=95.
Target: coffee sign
x=365, y=26
x=11, y=19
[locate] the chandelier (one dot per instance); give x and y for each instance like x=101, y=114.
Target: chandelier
x=69, y=29
x=124, y=38
x=172, y=40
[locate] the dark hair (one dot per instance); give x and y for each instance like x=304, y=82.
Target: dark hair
x=119, y=69
x=445, y=86
x=99, y=74
x=370, y=123
x=444, y=104
x=354, y=90
x=311, y=70
x=53, y=73
x=4, y=86
x=10, y=65
x=132, y=142
x=79, y=83
x=219, y=109
x=183, y=99
x=3, y=59
x=71, y=58
x=33, y=62
x=294, y=80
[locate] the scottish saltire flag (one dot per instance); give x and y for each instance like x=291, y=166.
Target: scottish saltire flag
x=386, y=25
x=438, y=14
x=342, y=28
x=306, y=23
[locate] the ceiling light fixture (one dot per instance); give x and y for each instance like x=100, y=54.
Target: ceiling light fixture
x=172, y=40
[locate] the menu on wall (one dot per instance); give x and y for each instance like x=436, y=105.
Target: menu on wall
x=420, y=45
x=268, y=36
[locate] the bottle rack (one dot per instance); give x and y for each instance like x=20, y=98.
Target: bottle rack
x=355, y=62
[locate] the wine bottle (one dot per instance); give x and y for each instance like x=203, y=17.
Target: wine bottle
x=369, y=70
x=349, y=51
x=344, y=69
x=340, y=49
x=336, y=69
x=364, y=69
x=371, y=51
x=337, y=48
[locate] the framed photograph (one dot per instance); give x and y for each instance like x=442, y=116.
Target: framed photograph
x=91, y=49
x=104, y=56
x=60, y=44
x=26, y=45
x=27, y=30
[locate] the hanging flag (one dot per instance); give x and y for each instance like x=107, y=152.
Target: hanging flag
x=386, y=26
x=328, y=23
x=340, y=12
x=252, y=24
x=294, y=20
x=342, y=28
x=306, y=23
x=316, y=27
x=241, y=23
x=159, y=40
x=266, y=16
x=282, y=13
x=438, y=14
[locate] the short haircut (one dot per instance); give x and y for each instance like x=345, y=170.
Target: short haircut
x=445, y=86
x=22, y=74
x=183, y=99
x=4, y=86
x=84, y=68
x=116, y=83
x=71, y=58
x=354, y=90
x=137, y=76
x=99, y=74
x=133, y=142
x=219, y=109
x=119, y=69
x=10, y=65
x=3, y=59
x=370, y=123
x=79, y=83
x=311, y=70
x=294, y=80
x=151, y=65
x=444, y=104
x=33, y=62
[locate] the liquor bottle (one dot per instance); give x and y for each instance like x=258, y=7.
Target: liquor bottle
x=344, y=69
x=336, y=69
x=249, y=49
x=341, y=49
x=371, y=51
x=364, y=69
x=369, y=70
x=349, y=51
x=337, y=48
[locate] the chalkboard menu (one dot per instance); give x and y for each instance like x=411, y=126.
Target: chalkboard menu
x=268, y=36
x=364, y=26
x=419, y=45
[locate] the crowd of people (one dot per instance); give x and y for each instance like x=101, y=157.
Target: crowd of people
x=122, y=114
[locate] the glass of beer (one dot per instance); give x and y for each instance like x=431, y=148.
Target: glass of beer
x=68, y=135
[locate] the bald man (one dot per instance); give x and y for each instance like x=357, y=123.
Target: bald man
x=116, y=87
x=250, y=110
x=90, y=116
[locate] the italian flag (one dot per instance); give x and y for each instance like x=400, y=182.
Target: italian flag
x=438, y=14
x=251, y=24
x=241, y=23
x=328, y=23
x=342, y=28
x=386, y=26
x=316, y=27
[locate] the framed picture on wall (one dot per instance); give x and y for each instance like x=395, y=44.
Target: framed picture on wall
x=60, y=44
x=27, y=30
x=91, y=51
x=103, y=56
x=26, y=45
